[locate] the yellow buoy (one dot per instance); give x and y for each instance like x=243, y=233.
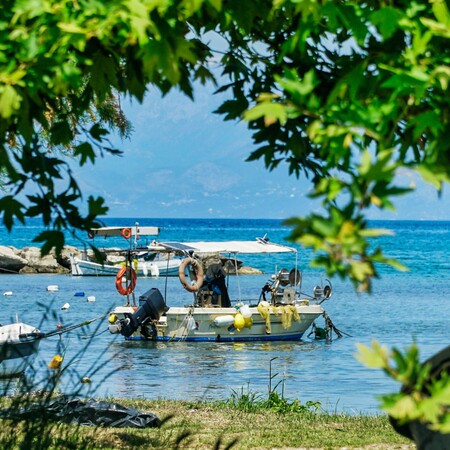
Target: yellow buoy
x=248, y=322
x=239, y=321
x=56, y=362
x=112, y=318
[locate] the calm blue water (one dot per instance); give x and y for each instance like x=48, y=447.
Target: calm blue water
x=404, y=307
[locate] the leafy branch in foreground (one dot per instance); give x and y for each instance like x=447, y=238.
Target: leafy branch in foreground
x=425, y=393
x=350, y=95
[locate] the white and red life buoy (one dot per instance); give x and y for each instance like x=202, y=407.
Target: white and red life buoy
x=197, y=269
x=130, y=283
x=126, y=233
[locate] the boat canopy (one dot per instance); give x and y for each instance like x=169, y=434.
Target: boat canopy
x=260, y=245
x=118, y=231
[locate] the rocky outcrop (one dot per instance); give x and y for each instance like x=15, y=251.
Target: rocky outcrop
x=246, y=270
x=38, y=264
x=64, y=259
x=29, y=260
x=10, y=261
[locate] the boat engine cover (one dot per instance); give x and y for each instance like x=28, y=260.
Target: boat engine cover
x=151, y=306
x=154, y=303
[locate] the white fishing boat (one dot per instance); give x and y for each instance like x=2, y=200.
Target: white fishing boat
x=145, y=263
x=19, y=344
x=279, y=310
x=152, y=268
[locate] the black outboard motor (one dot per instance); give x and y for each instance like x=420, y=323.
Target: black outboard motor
x=151, y=307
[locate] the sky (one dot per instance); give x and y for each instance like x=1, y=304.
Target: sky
x=183, y=161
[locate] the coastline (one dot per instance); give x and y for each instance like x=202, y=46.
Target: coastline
x=28, y=260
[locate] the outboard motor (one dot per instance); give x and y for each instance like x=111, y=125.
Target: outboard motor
x=151, y=307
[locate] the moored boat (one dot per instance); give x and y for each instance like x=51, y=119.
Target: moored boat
x=19, y=344
x=153, y=268
x=279, y=310
x=145, y=263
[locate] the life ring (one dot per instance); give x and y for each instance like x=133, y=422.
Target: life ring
x=197, y=269
x=130, y=284
x=126, y=233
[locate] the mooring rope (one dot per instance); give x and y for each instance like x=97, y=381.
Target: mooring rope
x=60, y=331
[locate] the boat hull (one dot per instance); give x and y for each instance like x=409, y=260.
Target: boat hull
x=17, y=353
x=204, y=325
x=81, y=267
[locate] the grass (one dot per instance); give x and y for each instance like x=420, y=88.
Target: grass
x=214, y=425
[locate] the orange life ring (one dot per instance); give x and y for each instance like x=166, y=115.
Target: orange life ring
x=198, y=270
x=126, y=233
x=130, y=283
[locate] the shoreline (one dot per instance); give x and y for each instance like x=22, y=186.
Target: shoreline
x=28, y=260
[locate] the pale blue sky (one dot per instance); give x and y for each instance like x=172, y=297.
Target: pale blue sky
x=184, y=161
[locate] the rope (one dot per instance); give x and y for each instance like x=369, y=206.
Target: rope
x=331, y=326
x=63, y=330
x=95, y=334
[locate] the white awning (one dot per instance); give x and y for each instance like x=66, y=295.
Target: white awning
x=234, y=247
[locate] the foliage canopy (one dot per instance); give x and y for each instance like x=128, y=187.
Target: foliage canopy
x=347, y=93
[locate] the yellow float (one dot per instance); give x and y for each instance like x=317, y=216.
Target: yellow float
x=239, y=321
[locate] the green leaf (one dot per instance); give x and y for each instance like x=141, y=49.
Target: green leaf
x=97, y=132
x=85, y=152
x=375, y=357
x=10, y=208
x=387, y=20
x=216, y=4
x=271, y=112
x=61, y=133
x=51, y=239
x=10, y=101
x=405, y=408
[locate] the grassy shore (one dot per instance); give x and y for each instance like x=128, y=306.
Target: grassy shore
x=214, y=425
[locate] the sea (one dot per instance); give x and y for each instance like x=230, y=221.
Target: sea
x=404, y=308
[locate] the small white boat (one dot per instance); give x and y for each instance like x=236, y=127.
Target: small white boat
x=19, y=344
x=154, y=268
x=53, y=288
x=146, y=264
x=279, y=310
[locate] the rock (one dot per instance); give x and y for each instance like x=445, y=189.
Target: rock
x=10, y=261
x=246, y=270
x=64, y=259
x=28, y=270
x=46, y=264
x=115, y=259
